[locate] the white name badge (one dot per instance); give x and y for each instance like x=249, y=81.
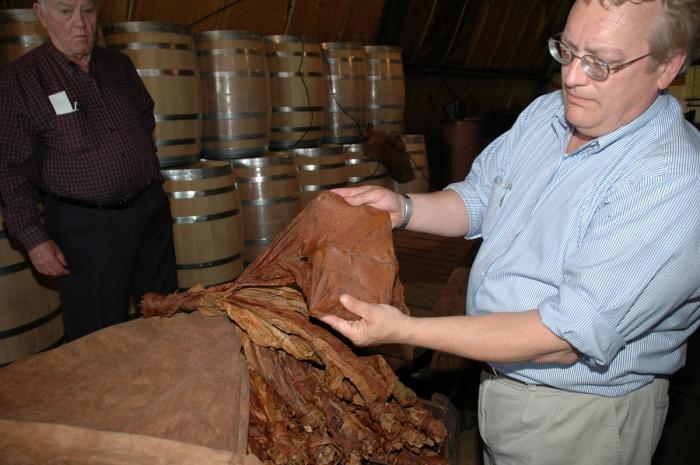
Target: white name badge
x=61, y=104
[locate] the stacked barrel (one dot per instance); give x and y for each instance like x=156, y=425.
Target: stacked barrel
x=203, y=198
x=250, y=128
x=20, y=31
x=297, y=91
x=417, y=156
x=164, y=57
x=30, y=313
x=387, y=92
x=207, y=222
x=236, y=91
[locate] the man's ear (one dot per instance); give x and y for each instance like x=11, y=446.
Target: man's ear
x=670, y=69
x=39, y=12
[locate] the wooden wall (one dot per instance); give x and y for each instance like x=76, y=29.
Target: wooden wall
x=488, y=55
x=336, y=20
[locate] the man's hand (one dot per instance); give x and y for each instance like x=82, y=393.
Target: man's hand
x=374, y=196
x=48, y=259
x=379, y=324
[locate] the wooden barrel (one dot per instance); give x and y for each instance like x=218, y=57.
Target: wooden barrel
x=461, y=143
x=418, y=156
x=20, y=31
x=164, y=57
x=236, y=91
x=387, y=91
x=30, y=313
x=269, y=192
x=320, y=168
x=364, y=170
x=347, y=92
x=207, y=223
x=297, y=91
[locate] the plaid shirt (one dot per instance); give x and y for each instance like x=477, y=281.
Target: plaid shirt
x=103, y=152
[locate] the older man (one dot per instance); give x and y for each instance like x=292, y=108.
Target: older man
x=75, y=127
x=587, y=284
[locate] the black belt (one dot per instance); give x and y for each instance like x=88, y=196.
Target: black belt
x=120, y=204
x=496, y=374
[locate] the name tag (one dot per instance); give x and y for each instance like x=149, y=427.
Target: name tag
x=61, y=104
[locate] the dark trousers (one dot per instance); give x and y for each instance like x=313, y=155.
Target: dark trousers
x=112, y=255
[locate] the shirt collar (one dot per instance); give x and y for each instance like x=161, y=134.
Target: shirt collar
x=66, y=62
x=563, y=129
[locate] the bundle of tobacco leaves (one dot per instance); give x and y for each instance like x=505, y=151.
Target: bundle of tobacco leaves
x=313, y=399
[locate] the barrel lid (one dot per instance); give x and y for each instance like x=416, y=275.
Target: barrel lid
x=145, y=26
x=204, y=169
x=226, y=34
x=290, y=38
x=382, y=48
x=24, y=15
x=340, y=45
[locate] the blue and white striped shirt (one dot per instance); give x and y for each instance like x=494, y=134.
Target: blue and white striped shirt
x=604, y=242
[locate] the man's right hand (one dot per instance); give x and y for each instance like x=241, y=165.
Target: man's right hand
x=48, y=259
x=377, y=197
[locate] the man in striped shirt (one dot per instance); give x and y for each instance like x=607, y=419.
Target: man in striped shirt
x=76, y=123
x=587, y=284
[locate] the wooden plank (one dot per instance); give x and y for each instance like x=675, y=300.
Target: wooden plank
x=362, y=24
x=465, y=35
x=426, y=263
x=551, y=20
x=162, y=10
x=482, y=33
x=265, y=18
x=501, y=34
x=514, y=41
x=319, y=18
x=443, y=28
x=417, y=21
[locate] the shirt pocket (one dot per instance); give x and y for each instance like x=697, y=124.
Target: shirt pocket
x=72, y=133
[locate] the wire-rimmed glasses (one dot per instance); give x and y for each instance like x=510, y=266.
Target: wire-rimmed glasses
x=594, y=67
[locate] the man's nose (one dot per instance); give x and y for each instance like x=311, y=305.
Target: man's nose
x=573, y=74
x=79, y=17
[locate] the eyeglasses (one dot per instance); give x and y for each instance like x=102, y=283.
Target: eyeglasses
x=594, y=67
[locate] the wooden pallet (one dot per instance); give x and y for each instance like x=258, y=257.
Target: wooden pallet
x=425, y=264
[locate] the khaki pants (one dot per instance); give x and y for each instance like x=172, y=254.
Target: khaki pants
x=539, y=425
